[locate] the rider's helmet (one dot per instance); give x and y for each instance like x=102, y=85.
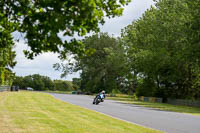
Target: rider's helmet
x=103, y=92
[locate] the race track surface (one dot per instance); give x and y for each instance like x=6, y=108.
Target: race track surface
x=170, y=122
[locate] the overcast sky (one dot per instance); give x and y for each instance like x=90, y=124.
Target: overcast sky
x=43, y=63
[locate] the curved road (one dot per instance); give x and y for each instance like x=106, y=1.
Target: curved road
x=169, y=122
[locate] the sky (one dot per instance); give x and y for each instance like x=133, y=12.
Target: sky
x=43, y=64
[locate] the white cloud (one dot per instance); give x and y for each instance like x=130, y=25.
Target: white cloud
x=43, y=63
x=131, y=12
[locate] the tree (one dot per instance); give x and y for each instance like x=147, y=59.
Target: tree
x=19, y=81
x=163, y=50
x=7, y=55
x=41, y=83
x=62, y=85
x=76, y=83
x=28, y=82
x=44, y=24
x=100, y=70
x=37, y=82
x=7, y=62
x=48, y=83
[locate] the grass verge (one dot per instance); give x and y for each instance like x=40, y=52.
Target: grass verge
x=33, y=112
x=159, y=106
x=59, y=92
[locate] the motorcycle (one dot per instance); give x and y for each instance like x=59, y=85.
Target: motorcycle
x=97, y=100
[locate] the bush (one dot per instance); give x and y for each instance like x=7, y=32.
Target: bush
x=146, y=87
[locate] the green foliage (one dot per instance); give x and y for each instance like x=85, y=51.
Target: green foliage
x=7, y=55
x=20, y=81
x=163, y=47
x=115, y=91
x=97, y=73
x=41, y=83
x=157, y=55
x=101, y=69
x=62, y=85
x=76, y=83
x=6, y=76
x=41, y=21
x=146, y=88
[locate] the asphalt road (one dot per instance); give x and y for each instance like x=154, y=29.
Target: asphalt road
x=169, y=122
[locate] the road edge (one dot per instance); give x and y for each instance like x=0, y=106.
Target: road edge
x=106, y=114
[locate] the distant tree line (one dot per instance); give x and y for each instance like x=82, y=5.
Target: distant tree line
x=157, y=55
x=41, y=83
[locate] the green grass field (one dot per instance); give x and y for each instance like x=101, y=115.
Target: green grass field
x=158, y=106
x=34, y=112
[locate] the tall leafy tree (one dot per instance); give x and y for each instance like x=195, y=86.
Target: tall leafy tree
x=163, y=48
x=103, y=68
x=7, y=55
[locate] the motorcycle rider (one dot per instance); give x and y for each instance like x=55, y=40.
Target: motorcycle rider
x=102, y=95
